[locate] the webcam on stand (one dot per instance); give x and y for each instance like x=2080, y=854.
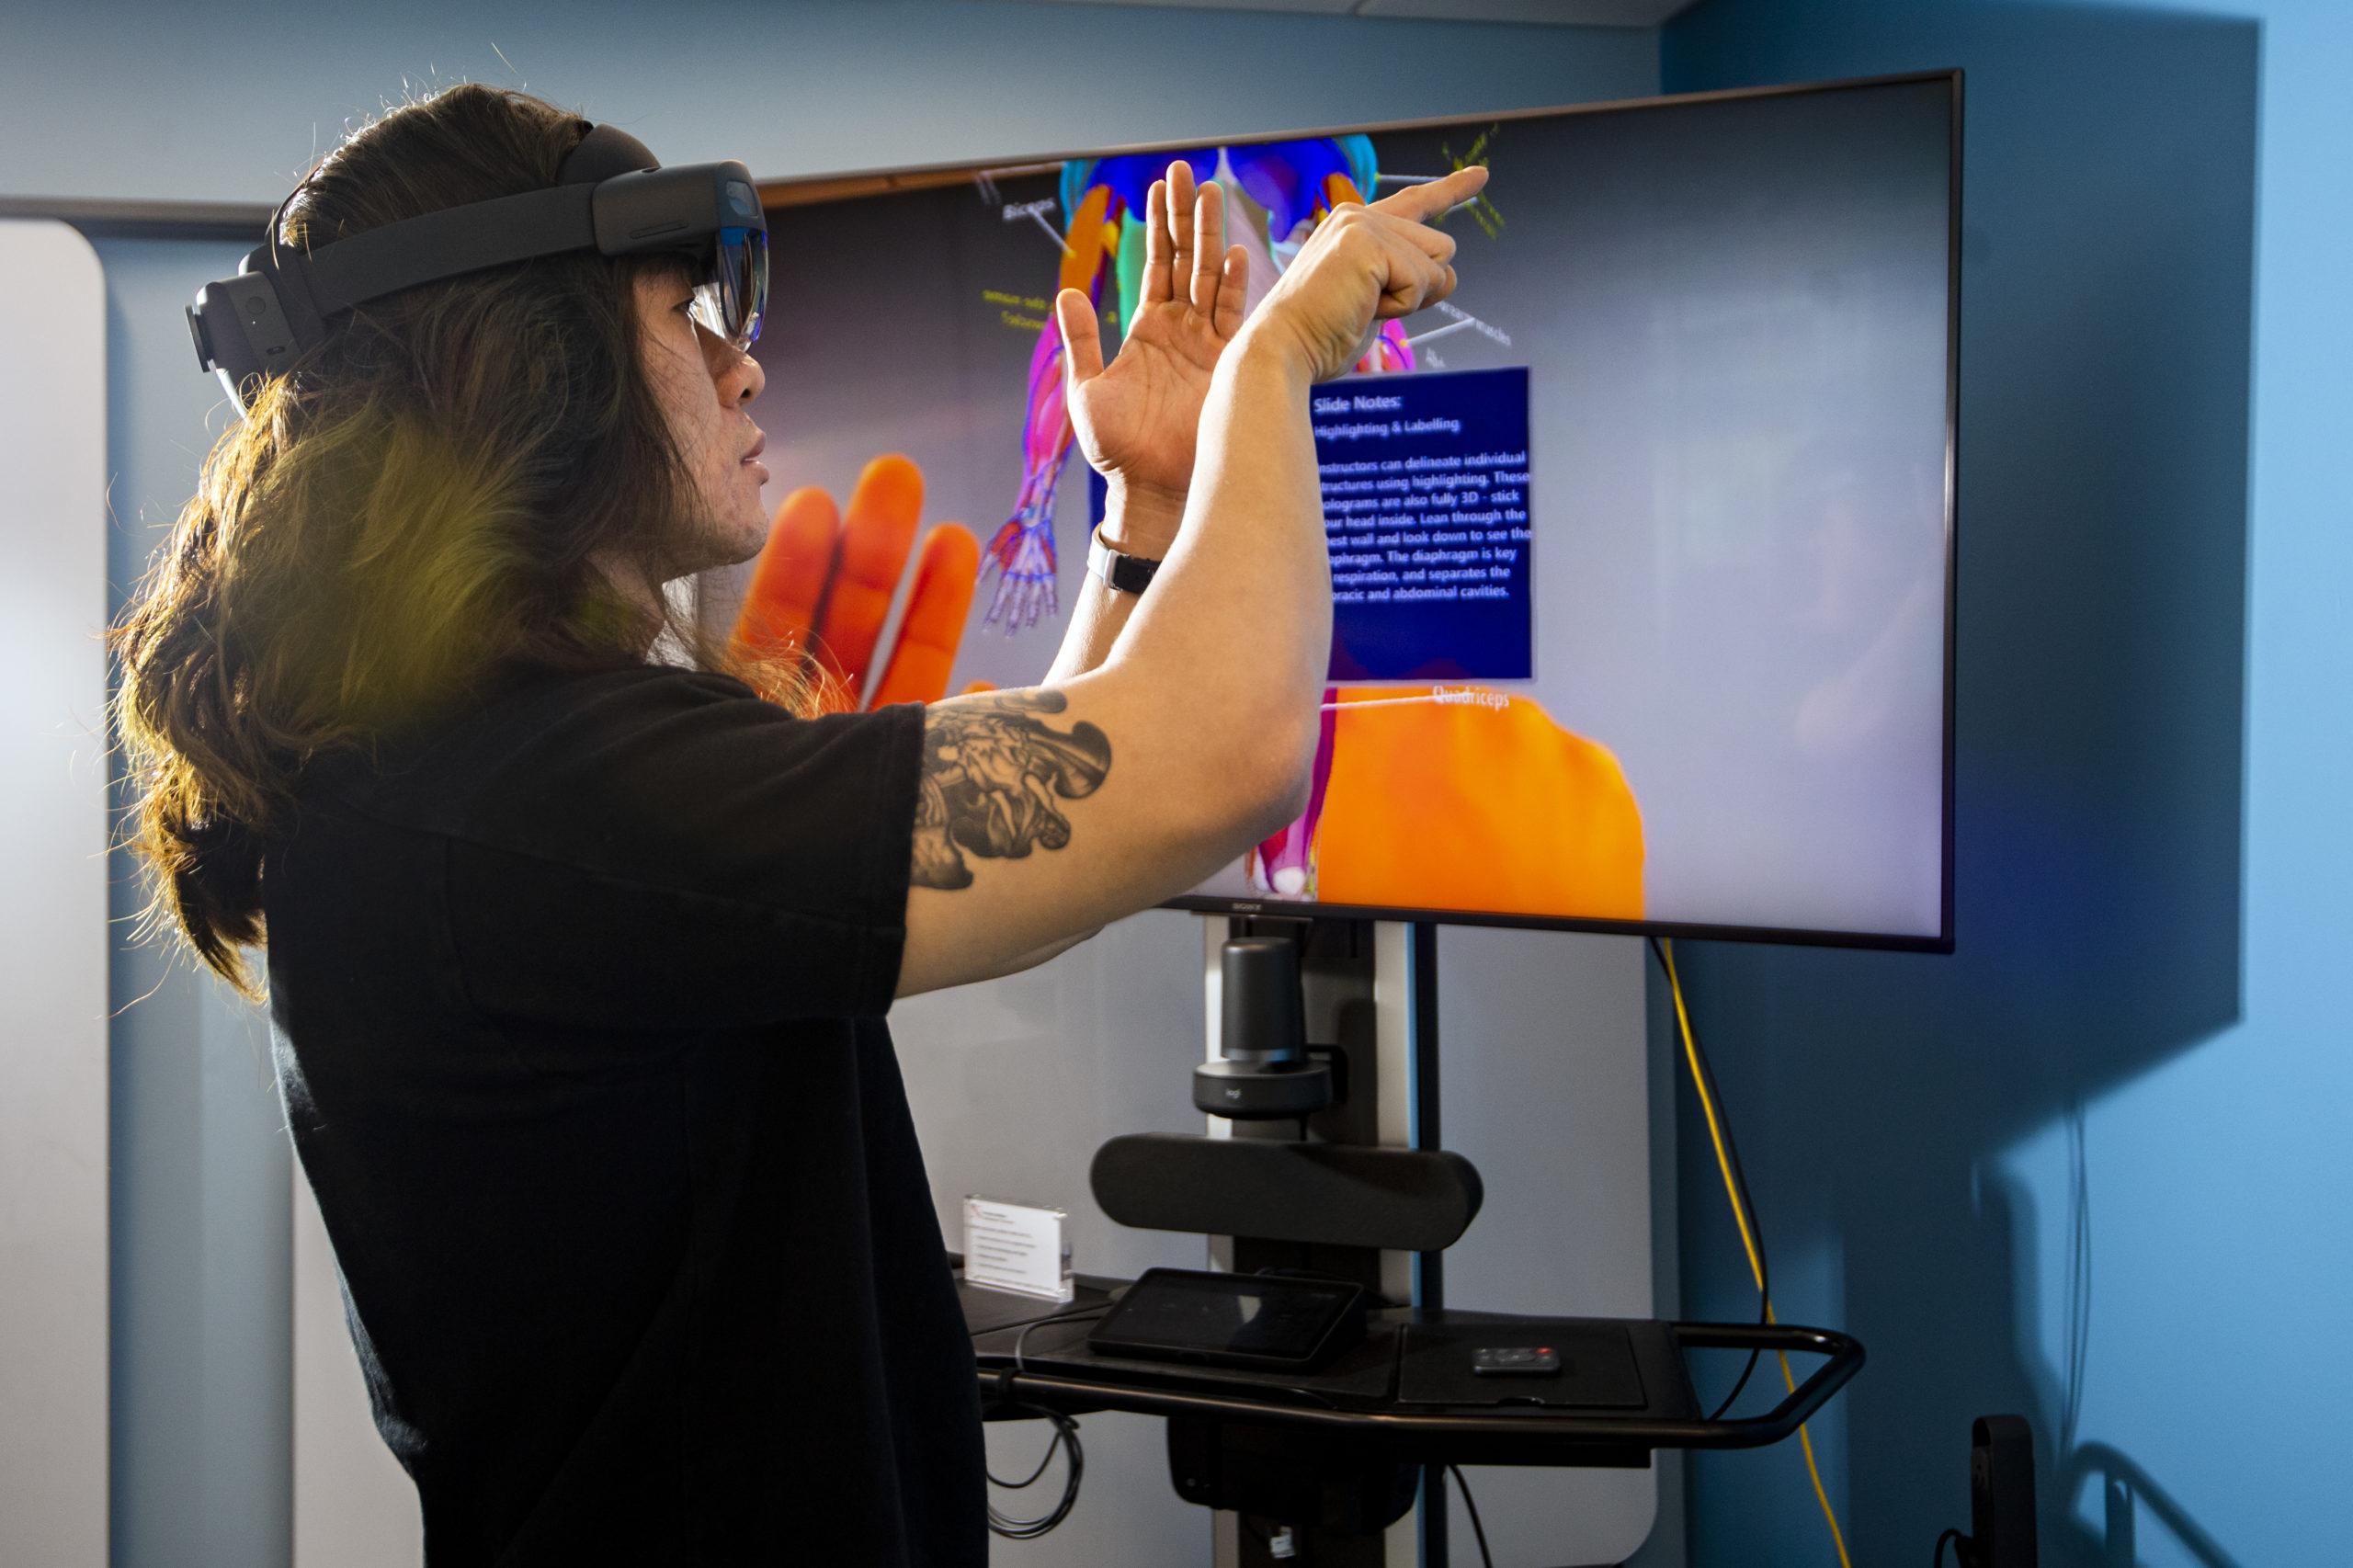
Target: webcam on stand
x=1265, y=1069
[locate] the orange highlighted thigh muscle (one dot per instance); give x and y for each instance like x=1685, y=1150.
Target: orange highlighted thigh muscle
x=1464, y=806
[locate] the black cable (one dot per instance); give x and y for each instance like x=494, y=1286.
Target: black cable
x=1959, y=1542
x=1471, y=1503
x=1051, y=1444
x=1022, y=1338
x=1740, y=1181
x=1067, y=1313
x=1065, y=1437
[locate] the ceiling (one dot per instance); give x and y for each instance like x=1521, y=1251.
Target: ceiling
x=1553, y=13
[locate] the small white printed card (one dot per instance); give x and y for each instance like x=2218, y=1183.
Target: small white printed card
x=1008, y=1247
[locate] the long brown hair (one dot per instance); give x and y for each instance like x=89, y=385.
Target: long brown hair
x=426, y=495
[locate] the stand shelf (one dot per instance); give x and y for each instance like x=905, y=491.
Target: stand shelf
x=1359, y=1396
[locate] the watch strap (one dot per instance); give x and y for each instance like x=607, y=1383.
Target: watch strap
x=1124, y=573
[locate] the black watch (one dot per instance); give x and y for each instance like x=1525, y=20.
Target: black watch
x=1123, y=574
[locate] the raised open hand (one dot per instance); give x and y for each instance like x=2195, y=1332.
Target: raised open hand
x=1136, y=419
x=823, y=587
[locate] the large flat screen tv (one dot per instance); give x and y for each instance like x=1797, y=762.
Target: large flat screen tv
x=1641, y=545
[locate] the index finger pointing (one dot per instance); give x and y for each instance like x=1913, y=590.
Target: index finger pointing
x=1425, y=201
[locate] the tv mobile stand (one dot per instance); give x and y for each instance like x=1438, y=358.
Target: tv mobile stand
x=1327, y=1027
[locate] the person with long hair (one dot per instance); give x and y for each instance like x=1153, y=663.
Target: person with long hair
x=580, y=926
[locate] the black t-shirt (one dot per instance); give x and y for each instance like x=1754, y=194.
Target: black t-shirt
x=578, y=1002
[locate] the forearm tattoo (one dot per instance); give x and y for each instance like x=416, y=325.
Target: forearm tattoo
x=990, y=776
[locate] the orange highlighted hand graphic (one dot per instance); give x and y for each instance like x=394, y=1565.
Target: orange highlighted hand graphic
x=825, y=583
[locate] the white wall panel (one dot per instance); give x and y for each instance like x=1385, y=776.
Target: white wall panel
x=52, y=901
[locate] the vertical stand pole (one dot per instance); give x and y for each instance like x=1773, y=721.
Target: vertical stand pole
x=1371, y=994
x=1429, y=1268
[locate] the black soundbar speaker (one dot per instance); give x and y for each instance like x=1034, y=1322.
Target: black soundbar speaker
x=1329, y=1194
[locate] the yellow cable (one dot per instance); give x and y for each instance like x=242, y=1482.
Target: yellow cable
x=1708, y=1104
x=1747, y=1237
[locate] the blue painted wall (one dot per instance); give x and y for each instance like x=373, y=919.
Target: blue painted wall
x=227, y=101
x=2091, y=1168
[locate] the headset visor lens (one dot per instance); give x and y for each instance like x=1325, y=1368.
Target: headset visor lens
x=735, y=291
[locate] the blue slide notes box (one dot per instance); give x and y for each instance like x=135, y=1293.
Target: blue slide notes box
x=1426, y=487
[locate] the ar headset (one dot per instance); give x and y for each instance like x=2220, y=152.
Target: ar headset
x=611, y=196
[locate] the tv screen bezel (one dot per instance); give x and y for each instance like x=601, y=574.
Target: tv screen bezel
x=785, y=194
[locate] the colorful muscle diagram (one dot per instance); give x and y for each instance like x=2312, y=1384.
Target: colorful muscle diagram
x=1458, y=797
x=1284, y=189
x=1454, y=797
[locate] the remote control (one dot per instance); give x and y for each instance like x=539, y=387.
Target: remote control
x=1515, y=1361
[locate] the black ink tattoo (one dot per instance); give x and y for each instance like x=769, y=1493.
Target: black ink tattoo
x=987, y=777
